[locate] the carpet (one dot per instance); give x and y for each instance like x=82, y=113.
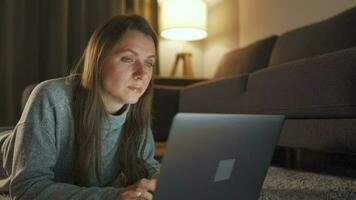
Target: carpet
x=281, y=183
x=287, y=184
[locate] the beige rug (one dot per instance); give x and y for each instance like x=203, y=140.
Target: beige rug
x=286, y=184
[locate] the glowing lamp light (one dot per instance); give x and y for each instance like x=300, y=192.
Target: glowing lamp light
x=184, y=20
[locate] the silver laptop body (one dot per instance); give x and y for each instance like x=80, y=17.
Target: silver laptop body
x=217, y=156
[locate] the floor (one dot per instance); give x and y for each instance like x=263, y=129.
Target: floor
x=282, y=184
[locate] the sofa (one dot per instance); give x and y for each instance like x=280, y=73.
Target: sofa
x=167, y=90
x=307, y=74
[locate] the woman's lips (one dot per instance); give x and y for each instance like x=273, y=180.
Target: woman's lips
x=136, y=89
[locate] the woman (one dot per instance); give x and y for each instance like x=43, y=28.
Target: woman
x=87, y=136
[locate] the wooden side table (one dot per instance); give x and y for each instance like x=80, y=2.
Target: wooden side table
x=160, y=148
x=187, y=65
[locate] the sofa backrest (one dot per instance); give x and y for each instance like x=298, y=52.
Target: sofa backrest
x=246, y=60
x=335, y=33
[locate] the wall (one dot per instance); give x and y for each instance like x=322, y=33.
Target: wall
x=222, y=36
x=168, y=50
x=237, y=23
x=259, y=19
x=223, y=32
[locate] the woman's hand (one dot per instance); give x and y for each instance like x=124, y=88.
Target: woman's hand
x=141, y=190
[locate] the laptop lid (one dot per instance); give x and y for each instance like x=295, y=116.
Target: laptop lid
x=217, y=156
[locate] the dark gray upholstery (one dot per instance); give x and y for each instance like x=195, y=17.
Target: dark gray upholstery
x=176, y=81
x=246, y=60
x=317, y=95
x=219, y=95
x=165, y=104
x=311, y=80
x=335, y=33
x=336, y=135
x=235, y=64
x=319, y=87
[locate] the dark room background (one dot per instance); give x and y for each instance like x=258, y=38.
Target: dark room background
x=43, y=39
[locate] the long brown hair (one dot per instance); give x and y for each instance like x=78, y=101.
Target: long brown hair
x=89, y=112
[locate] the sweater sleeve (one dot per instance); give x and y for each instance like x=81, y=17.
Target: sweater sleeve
x=149, y=155
x=35, y=155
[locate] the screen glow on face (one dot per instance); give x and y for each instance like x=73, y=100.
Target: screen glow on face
x=127, y=71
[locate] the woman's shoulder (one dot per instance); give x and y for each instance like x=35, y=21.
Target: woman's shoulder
x=55, y=85
x=51, y=95
x=55, y=90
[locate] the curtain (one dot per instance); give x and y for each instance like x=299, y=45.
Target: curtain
x=43, y=39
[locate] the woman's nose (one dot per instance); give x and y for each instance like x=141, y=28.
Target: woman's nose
x=139, y=71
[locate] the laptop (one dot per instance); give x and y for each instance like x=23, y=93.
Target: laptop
x=217, y=156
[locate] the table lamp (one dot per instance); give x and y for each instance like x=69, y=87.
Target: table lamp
x=183, y=20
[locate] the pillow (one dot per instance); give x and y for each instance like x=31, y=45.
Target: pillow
x=246, y=60
x=335, y=33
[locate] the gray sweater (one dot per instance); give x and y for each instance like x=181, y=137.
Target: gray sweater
x=38, y=155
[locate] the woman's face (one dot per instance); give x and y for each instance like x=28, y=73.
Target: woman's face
x=127, y=71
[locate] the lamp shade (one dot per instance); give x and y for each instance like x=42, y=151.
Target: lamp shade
x=184, y=19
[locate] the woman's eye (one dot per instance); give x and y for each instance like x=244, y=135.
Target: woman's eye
x=127, y=60
x=149, y=64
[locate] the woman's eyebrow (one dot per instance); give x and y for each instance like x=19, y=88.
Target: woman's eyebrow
x=129, y=50
x=134, y=52
x=153, y=56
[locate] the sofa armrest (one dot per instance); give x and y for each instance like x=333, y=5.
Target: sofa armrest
x=165, y=106
x=173, y=81
x=217, y=96
x=318, y=87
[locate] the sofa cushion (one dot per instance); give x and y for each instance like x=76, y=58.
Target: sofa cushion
x=328, y=135
x=336, y=33
x=319, y=87
x=247, y=59
x=214, y=96
x=165, y=106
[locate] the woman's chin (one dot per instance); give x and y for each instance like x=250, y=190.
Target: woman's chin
x=128, y=99
x=132, y=101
